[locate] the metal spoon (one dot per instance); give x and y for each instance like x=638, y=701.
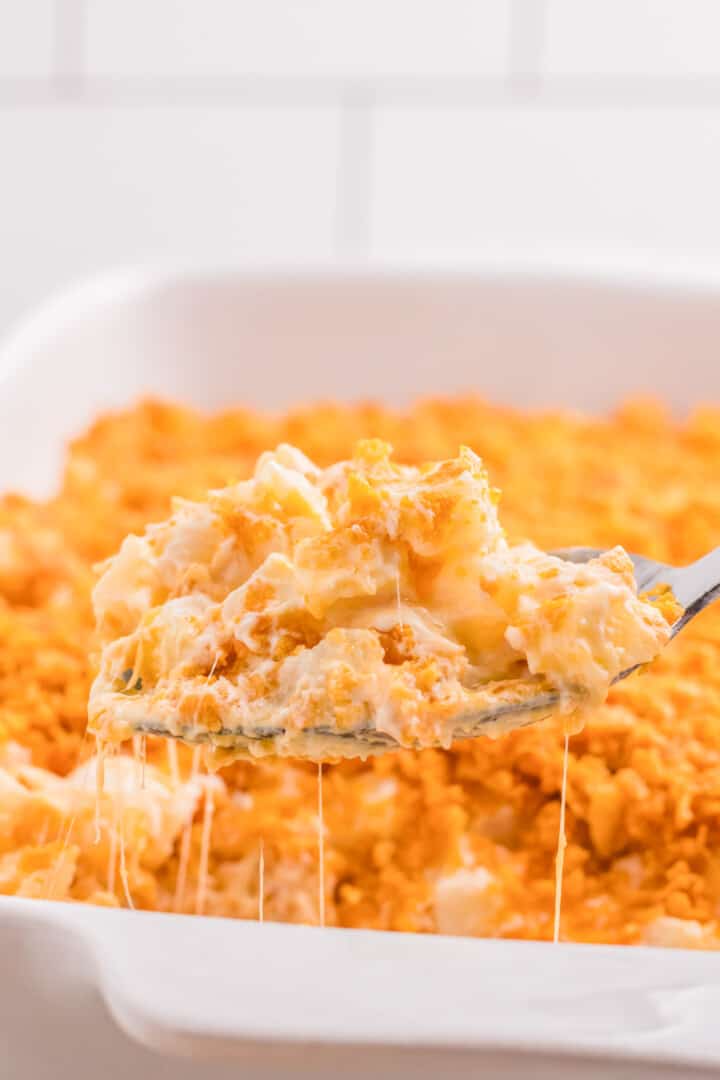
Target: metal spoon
x=693, y=586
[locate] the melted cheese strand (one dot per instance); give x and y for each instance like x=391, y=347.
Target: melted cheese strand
x=261, y=882
x=123, y=868
x=195, y=763
x=184, y=861
x=201, y=894
x=562, y=844
x=137, y=663
x=66, y=826
x=181, y=880
x=208, y=810
x=397, y=597
x=137, y=757
x=52, y=884
x=43, y=834
x=172, y=756
x=78, y=763
x=143, y=759
x=321, y=846
x=112, y=853
x=99, y=785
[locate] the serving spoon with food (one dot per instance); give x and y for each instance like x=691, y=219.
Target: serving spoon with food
x=518, y=703
x=693, y=586
x=368, y=606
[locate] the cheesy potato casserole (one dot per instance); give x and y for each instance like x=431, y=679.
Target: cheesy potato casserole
x=460, y=840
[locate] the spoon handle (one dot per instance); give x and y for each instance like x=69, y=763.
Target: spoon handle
x=695, y=586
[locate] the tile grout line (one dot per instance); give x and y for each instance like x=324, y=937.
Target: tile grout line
x=353, y=209
x=70, y=83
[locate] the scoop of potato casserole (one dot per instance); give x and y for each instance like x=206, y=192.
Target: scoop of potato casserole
x=343, y=611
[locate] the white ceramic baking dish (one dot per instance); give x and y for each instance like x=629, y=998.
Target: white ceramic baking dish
x=88, y=992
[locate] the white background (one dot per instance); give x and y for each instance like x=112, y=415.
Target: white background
x=427, y=131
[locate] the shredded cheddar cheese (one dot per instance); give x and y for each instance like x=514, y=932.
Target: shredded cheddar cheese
x=642, y=862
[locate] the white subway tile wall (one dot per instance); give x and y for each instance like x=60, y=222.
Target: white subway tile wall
x=633, y=38
x=27, y=39
x=452, y=185
x=110, y=186
x=422, y=131
x=306, y=38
